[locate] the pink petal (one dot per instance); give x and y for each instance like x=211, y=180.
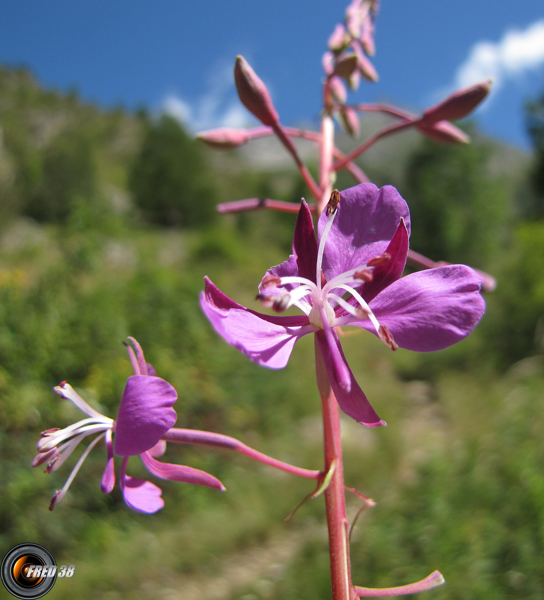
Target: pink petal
x=108, y=478
x=354, y=403
x=145, y=414
x=266, y=340
x=388, y=272
x=180, y=473
x=366, y=221
x=158, y=449
x=302, y=262
x=430, y=310
x=384, y=274
x=140, y=495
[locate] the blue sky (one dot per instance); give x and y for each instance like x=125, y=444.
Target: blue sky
x=179, y=53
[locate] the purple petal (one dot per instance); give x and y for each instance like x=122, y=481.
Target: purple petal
x=140, y=495
x=385, y=274
x=145, y=414
x=354, y=403
x=302, y=262
x=158, y=449
x=305, y=243
x=180, y=473
x=266, y=340
x=366, y=221
x=108, y=478
x=430, y=310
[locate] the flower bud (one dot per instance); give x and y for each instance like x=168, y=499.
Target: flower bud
x=367, y=37
x=253, y=93
x=366, y=68
x=444, y=132
x=338, y=89
x=458, y=105
x=354, y=80
x=224, y=138
x=337, y=41
x=328, y=63
x=349, y=121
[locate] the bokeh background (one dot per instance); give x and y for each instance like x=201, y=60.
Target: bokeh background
x=108, y=225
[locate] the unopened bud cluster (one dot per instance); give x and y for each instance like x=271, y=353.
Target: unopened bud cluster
x=347, y=60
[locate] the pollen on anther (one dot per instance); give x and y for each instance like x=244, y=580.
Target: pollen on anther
x=379, y=260
x=387, y=337
x=365, y=274
x=332, y=205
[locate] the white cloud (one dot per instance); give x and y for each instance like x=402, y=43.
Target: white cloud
x=218, y=106
x=515, y=54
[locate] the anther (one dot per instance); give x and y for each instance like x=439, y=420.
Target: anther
x=270, y=281
x=379, y=260
x=48, y=432
x=332, y=205
x=387, y=337
x=281, y=303
x=365, y=274
x=266, y=301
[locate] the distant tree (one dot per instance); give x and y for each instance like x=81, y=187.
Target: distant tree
x=169, y=178
x=457, y=209
x=68, y=172
x=534, y=118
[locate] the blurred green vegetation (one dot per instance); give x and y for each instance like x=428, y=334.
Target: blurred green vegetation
x=93, y=249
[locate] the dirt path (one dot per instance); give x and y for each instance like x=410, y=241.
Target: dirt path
x=260, y=566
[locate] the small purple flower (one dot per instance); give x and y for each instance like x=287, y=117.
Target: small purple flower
x=351, y=276
x=145, y=415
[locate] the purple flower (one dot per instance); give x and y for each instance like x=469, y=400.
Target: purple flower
x=145, y=415
x=351, y=275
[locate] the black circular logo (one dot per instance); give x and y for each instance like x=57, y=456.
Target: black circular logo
x=28, y=571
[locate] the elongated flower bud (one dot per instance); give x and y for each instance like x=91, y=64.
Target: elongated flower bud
x=444, y=132
x=338, y=40
x=349, y=121
x=224, y=138
x=253, y=93
x=338, y=89
x=366, y=68
x=458, y=105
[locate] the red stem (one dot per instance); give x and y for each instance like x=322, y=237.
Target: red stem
x=306, y=175
x=335, y=501
x=396, y=127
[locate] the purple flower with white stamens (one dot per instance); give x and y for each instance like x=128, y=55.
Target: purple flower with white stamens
x=145, y=415
x=351, y=275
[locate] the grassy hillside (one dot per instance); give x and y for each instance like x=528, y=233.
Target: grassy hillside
x=457, y=474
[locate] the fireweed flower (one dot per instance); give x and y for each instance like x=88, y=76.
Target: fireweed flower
x=351, y=275
x=145, y=415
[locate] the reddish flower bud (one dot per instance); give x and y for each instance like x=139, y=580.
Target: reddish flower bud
x=349, y=121
x=354, y=80
x=366, y=68
x=444, y=132
x=367, y=37
x=224, y=138
x=338, y=89
x=458, y=105
x=337, y=41
x=328, y=63
x=253, y=93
